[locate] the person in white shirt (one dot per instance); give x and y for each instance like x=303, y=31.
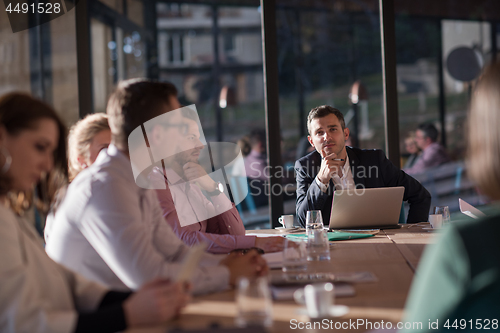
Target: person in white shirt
x=37, y=294
x=110, y=229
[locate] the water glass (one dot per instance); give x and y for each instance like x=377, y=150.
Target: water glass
x=294, y=256
x=318, y=245
x=253, y=300
x=314, y=220
x=445, y=212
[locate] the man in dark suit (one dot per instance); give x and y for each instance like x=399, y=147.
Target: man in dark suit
x=335, y=166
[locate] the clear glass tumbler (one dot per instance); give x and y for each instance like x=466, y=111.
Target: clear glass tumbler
x=314, y=220
x=254, y=303
x=294, y=256
x=318, y=246
x=445, y=212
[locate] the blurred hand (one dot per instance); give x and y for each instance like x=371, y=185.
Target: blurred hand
x=250, y=264
x=155, y=303
x=329, y=168
x=193, y=172
x=270, y=244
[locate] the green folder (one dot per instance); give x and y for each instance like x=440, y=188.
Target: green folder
x=333, y=236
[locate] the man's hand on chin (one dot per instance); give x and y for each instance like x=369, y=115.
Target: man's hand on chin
x=330, y=165
x=193, y=172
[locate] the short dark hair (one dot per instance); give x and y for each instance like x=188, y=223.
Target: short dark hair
x=323, y=111
x=134, y=102
x=429, y=130
x=257, y=135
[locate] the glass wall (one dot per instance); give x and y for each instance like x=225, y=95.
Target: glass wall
x=200, y=67
x=323, y=49
x=213, y=55
x=64, y=67
x=104, y=69
x=118, y=49
x=441, y=50
x=41, y=61
x=14, y=57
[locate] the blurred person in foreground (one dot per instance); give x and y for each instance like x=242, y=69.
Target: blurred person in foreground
x=112, y=230
x=458, y=278
x=37, y=294
x=194, y=217
x=433, y=153
x=335, y=166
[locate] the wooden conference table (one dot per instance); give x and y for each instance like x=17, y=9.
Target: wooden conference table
x=392, y=256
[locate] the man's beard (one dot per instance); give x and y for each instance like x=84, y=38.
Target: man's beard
x=185, y=157
x=336, y=149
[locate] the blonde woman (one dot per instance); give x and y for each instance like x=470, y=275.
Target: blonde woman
x=37, y=294
x=86, y=139
x=457, y=285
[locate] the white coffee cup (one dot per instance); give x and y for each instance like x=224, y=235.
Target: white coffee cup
x=286, y=221
x=436, y=220
x=319, y=299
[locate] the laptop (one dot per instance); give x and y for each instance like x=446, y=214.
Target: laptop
x=469, y=210
x=372, y=208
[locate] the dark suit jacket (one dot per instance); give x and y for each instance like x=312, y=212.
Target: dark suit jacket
x=370, y=168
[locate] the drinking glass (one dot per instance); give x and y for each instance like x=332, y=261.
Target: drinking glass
x=445, y=212
x=314, y=220
x=253, y=300
x=294, y=256
x=318, y=246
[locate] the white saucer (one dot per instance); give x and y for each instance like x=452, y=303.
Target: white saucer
x=335, y=311
x=428, y=228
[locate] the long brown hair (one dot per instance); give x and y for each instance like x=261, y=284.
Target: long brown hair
x=20, y=112
x=484, y=134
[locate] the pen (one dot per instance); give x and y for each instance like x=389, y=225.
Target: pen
x=339, y=159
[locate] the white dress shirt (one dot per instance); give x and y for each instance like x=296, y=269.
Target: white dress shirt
x=344, y=182
x=112, y=231
x=37, y=294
